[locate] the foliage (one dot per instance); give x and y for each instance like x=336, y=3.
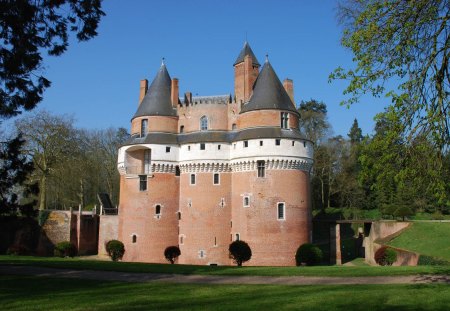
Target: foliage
x=171, y=253
x=403, y=211
x=65, y=249
x=313, y=120
x=425, y=260
x=15, y=193
x=308, y=254
x=115, y=249
x=29, y=28
x=385, y=256
x=240, y=252
x=404, y=42
x=43, y=216
x=18, y=250
x=355, y=133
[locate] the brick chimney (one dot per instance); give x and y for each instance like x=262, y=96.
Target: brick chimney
x=143, y=90
x=187, y=98
x=289, y=87
x=174, y=92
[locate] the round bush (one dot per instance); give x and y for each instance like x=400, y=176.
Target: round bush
x=115, y=249
x=240, y=252
x=18, y=250
x=308, y=254
x=171, y=253
x=385, y=256
x=65, y=249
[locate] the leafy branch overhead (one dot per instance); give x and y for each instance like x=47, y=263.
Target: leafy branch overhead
x=27, y=29
x=405, y=43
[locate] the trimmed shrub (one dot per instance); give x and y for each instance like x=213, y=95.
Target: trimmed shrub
x=115, y=249
x=308, y=254
x=171, y=253
x=403, y=211
x=431, y=261
x=385, y=256
x=65, y=249
x=240, y=252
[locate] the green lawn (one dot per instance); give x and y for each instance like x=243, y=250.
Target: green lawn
x=33, y=293
x=432, y=239
x=76, y=263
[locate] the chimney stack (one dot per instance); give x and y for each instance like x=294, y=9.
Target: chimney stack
x=289, y=87
x=187, y=98
x=143, y=90
x=174, y=92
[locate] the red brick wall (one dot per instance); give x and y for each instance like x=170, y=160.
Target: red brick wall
x=109, y=230
x=156, y=124
x=216, y=113
x=137, y=216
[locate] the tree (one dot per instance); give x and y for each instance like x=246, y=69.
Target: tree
x=29, y=28
x=313, y=120
x=115, y=249
x=15, y=168
x=308, y=254
x=240, y=252
x=355, y=133
x=406, y=41
x=49, y=141
x=171, y=253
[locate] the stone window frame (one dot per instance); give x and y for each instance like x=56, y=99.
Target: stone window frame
x=283, y=206
x=244, y=199
x=193, y=177
x=143, y=183
x=284, y=124
x=261, y=168
x=201, y=254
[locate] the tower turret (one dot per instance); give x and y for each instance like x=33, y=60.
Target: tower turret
x=246, y=69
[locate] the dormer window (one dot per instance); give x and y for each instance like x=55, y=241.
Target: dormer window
x=203, y=123
x=144, y=127
x=284, y=120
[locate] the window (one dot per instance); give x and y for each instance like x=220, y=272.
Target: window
x=181, y=240
x=293, y=143
x=238, y=236
x=234, y=146
x=215, y=241
x=284, y=120
x=202, y=146
x=192, y=179
x=189, y=148
x=158, y=210
x=233, y=127
x=231, y=224
x=134, y=238
x=167, y=149
x=261, y=168
x=277, y=142
x=281, y=214
x=147, y=158
x=144, y=126
x=222, y=202
x=142, y=182
x=304, y=144
x=245, y=143
x=246, y=201
x=177, y=170
x=218, y=147
x=203, y=123
x=216, y=178
x=182, y=129
x=201, y=254
x=261, y=142
x=179, y=215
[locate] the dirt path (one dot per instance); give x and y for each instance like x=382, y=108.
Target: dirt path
x=210, y=279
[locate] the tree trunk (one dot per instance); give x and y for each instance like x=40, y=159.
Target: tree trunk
x=43, y=192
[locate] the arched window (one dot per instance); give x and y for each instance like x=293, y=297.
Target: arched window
x=158, y=210
x=203, y=123
x=233, y=126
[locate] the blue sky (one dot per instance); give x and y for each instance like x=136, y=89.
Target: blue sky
x=98, y=81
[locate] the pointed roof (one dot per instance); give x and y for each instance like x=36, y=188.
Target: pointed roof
x=246, y=50
x=157, y=101
x=268, y=92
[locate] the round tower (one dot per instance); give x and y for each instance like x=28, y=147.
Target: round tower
x=149, y=175
x=271, y=162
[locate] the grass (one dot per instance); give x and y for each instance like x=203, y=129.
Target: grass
x=432, y=239
x=333, y=271
x=36, y=293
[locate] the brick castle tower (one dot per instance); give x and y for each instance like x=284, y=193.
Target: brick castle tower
x=202, y=171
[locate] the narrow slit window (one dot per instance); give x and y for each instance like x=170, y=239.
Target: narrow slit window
x=134, y=238
x=246, y=201
x=177, y=170
x=192, y=179
x=182, y=129
x=202, y=146
x=144, y=127
x=238, y=236
x=261, y=143
x=167, y=149
x=216, y=179
x=218, y=147
x=284, y=120
x=158, y=210
x=277, y=142
x=245, y=143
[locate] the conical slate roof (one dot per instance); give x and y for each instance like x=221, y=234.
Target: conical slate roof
x=268, y=92
x=157, y=101
x=246, y=50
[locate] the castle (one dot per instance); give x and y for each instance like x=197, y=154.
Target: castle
x=202, y=171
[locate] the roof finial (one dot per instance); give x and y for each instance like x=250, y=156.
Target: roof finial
x=267, y=57
x=162, y=62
